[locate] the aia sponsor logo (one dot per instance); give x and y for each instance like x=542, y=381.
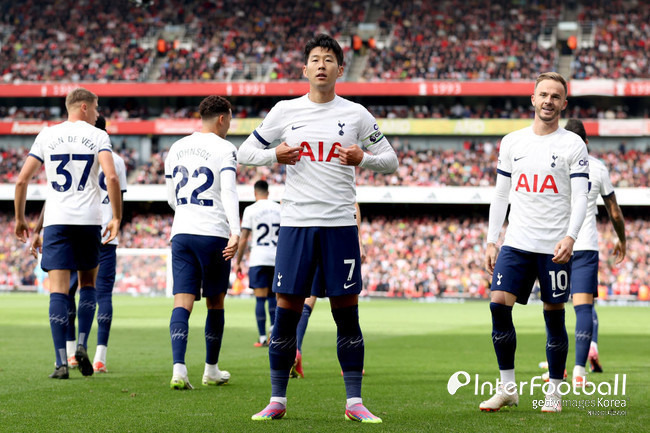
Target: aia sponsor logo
x=535, y=184
x=319, y=152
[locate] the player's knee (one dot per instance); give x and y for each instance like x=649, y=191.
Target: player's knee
x=347, y=320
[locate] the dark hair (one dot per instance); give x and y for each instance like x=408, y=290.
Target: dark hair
x=575, y=125
x=100, y=123
x=327, y=42
x=212, y=106
x=261, y=186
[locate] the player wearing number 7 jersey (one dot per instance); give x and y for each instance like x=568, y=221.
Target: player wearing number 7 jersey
x=72, y=153
x=200, y=172
x=323, y=136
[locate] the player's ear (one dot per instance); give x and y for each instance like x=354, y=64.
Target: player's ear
x=304, y=71
x=340, y=73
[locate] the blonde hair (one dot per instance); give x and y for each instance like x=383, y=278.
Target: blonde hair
x=79, y=95
x=552, y=76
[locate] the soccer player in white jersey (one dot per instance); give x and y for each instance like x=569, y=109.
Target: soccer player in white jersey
x=584, y=269
x=261, y=222
x=105, y=274
x=72, y=152
x=200, y=172
x=543, y=171
x=322, y=139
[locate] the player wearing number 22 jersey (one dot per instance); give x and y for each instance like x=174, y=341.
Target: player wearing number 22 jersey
x=200, y=172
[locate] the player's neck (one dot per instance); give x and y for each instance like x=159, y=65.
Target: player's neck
x=321, y=96
x=544, y=128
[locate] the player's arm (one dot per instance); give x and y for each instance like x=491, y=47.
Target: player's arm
x=37, y=242
x=230, y=202
x=382, y=157
x=105, y=158
x=497, y=216
x=358, y=217
x=171, y=191
x=256, y=150
x=579, y=190
x=241, y=248
x=616, y=217
x=31, y=166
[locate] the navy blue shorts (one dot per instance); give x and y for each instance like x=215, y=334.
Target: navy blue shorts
x=71, y=247
x=106, y=273
x=198, y=265
x=260, y=277
x=516, y=271
x=584, y=272
x=320, y=261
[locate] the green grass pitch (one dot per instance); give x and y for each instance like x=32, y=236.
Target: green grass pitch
x=411, y=351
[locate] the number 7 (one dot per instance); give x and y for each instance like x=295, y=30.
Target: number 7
x=350, y=262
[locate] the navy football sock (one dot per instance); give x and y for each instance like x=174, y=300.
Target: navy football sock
x=178, y=330
x=557, y=343
x=86, y=313
x=260, y=315
x=213, y=334
x=70, y=333
x=302, y=325
x=594, y=332
x=282, y=349
x=58, y=324
x=272, y=306
x=349, y=348
x=504, y=336
x=104, y=317
x=584, y=326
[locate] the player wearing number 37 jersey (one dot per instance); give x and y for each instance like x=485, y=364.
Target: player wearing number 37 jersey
x=200, y=172
x=72, y=153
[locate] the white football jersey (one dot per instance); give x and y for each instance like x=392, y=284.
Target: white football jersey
x=599, y=184
x=107, y=210
x=319, y=191
x=193, y=167
x=262, y=218
x=69, y=152
x=540, y=170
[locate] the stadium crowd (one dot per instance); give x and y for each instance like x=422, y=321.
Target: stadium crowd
x=621, y=43
x=473, y=166
x=462, y=40
x=458, y=109
x=406, y=257
x=72, y=41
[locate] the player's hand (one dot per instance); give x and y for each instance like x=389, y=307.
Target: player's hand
x=22, y=230
x=491, y=253
x=362, y=250
x=37, y=246
x=236, y=268
x=563, y=251
x=286, y=154
x=351, y=155
x=619, y=252
x=112, y=228
x=231, y=249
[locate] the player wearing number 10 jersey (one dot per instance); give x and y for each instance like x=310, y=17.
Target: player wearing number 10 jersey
x=543, y=171
x=72, y=153
x=321, y=136
x=200, y=172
